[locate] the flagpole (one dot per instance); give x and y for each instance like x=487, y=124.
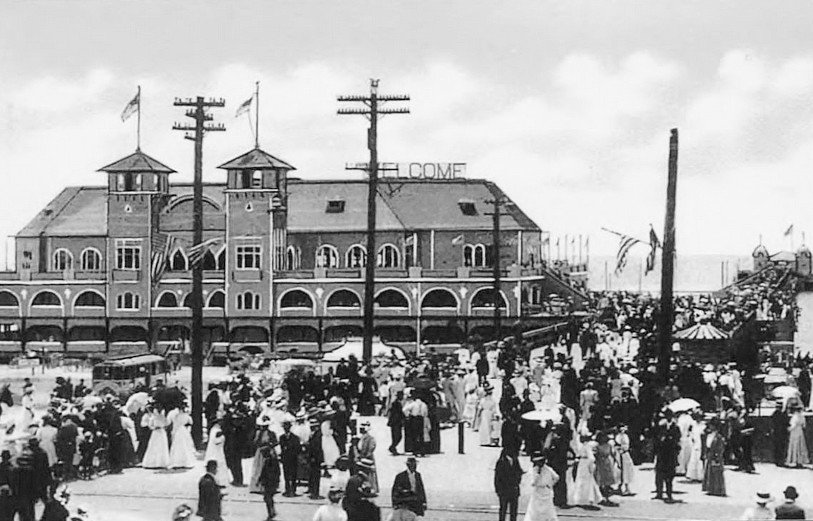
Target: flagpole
x=257, y=116
x=138, y=124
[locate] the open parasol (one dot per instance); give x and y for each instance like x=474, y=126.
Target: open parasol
x=543, y=415
x=683, y=404
x=136, y=402
x=785, y=391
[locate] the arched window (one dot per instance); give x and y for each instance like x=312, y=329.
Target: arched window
x=178, y=261
x=46, y=299
x=479, y=256
x=221, y=259
x=468, y=255
x=327, y=256
x=356, y=256
x=390, y=298
x=128, y=300
x=63, y=260
x=167, y=300
x=296, y=298
x=209, y=261
x=91, y=260
x=343, y=298
x=484, y=298
x=8, y=300
x=248, y=300
x=217, y=300
x=293, y=258
x=89, y=299
x=439, y=298
x=388, y=257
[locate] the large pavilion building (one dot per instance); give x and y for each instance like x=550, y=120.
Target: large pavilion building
x=103, y=268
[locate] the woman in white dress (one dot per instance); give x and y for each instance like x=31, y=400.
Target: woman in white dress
x=214, y=448
x=330, y=448
x=798, y=455
x=157, y=454
x=622, y=443
x=488, y=409
x=182, y=452
x=684, y=423
x=694, y=469
x=586, y=491
x=540, y=505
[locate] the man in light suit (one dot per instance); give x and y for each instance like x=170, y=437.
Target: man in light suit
x=410, y=479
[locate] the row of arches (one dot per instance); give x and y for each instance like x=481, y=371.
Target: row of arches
x=89, y=260
x=179, y=261
x=327, y=256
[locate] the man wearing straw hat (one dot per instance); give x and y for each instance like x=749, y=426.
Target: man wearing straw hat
x=761, y=511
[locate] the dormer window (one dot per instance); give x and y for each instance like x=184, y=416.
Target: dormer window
x=467, y=207
x=335, y=206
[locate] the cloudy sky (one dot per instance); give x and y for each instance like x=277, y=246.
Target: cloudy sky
x=567, y=105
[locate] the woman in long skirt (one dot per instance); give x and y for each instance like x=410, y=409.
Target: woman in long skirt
x=605, y=468
x=622, y=443
x=797, y=448
x=540, y=506
x=330, y=448
x=157, y=455
x=694, y=470
x=182, y=452
x=713, y=479
x=488, y=409
x=262, y=438
x=214, y=447
x=585, y=488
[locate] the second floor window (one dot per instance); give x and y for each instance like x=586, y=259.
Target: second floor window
x=474, y=255
x=356, y=256
x=249, y=256
x=63, y=260
x=388, y=257
x=248, y=300
x=91, y=260
x=128, y=301
x=327, y=257
x=128, y=254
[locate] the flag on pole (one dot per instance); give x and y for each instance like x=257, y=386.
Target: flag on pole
x=162, y=244
x=409, y=240
x=654, y=244
x=132, y=107
x=789, y=230
x=244, y=107
x=197, y=251
x=624, y=247
x=458, y=240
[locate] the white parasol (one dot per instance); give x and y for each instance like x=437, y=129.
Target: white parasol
x=136, y=402
x=543, y=415
x=683, y=404
x=785, y=391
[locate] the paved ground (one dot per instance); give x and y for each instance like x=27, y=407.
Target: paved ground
x=459, y=486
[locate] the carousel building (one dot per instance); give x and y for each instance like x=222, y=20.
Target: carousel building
x=102, y=268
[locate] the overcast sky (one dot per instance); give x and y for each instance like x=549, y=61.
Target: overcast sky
x=566, y=105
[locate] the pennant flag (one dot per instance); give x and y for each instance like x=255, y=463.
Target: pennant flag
x=624, y=247
x=789, y=230
x=458, y=240
x=162, y=244
x=132, y=107
x=654, y=244
x=243, y=108
x=409, y=241
x=197, y=251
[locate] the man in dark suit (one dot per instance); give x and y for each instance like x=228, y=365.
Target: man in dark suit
x=395, y=421
x=507, y=477
x=269, y=476
x=290, y=448
x=789, y=509
x=667, y=447
x=805, y=384
x=410, y=479
x=315, y=457
x=779, y=425
x=209, y=495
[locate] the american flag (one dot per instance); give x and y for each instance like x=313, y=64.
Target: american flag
x=197, y=251
x=624, y=247
x=162, y=244
x=654, y=244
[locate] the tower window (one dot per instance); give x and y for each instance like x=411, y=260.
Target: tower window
x=128, y=300
x=248, y=300
x=249, y=256
x=335, y=206
x=257, y=179
x=128, y=254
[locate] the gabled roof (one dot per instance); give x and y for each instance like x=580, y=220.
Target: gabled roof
x=137, y=162
x=256, y=159
x=77, y=210
x=307, y=204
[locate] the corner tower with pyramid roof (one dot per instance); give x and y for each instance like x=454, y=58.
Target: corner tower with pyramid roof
x=256, y=224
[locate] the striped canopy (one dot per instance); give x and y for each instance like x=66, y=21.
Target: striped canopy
x=701, y=332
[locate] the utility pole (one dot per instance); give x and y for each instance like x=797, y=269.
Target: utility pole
x=197, y=111
x=667, y=315
x=372, y=111
x=496, y=263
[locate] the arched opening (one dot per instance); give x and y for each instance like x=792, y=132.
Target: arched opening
x=128, y=300
x=91, y=260
x=356, y=256
x=440, y=299
x=178, y=261
x=343, y=298
x=396, y=334
x=296, y=298
x=86, y=334
x=294, y=334
x=187, y=301
x=484, y=298
x=63, y=260
x=128, y=334
x=217, y=300
x=44, y=333
x=8, y=300
x=248, y=300
x=388, y=257
x=46, y=299
x=89, y=299
x=390, y=298
x=343, y=332
x=221, y=259
x=293, y=258
x=167, y=300
x=449, y=334
x=248, y=334
x=209, y=261
x=327, y=256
